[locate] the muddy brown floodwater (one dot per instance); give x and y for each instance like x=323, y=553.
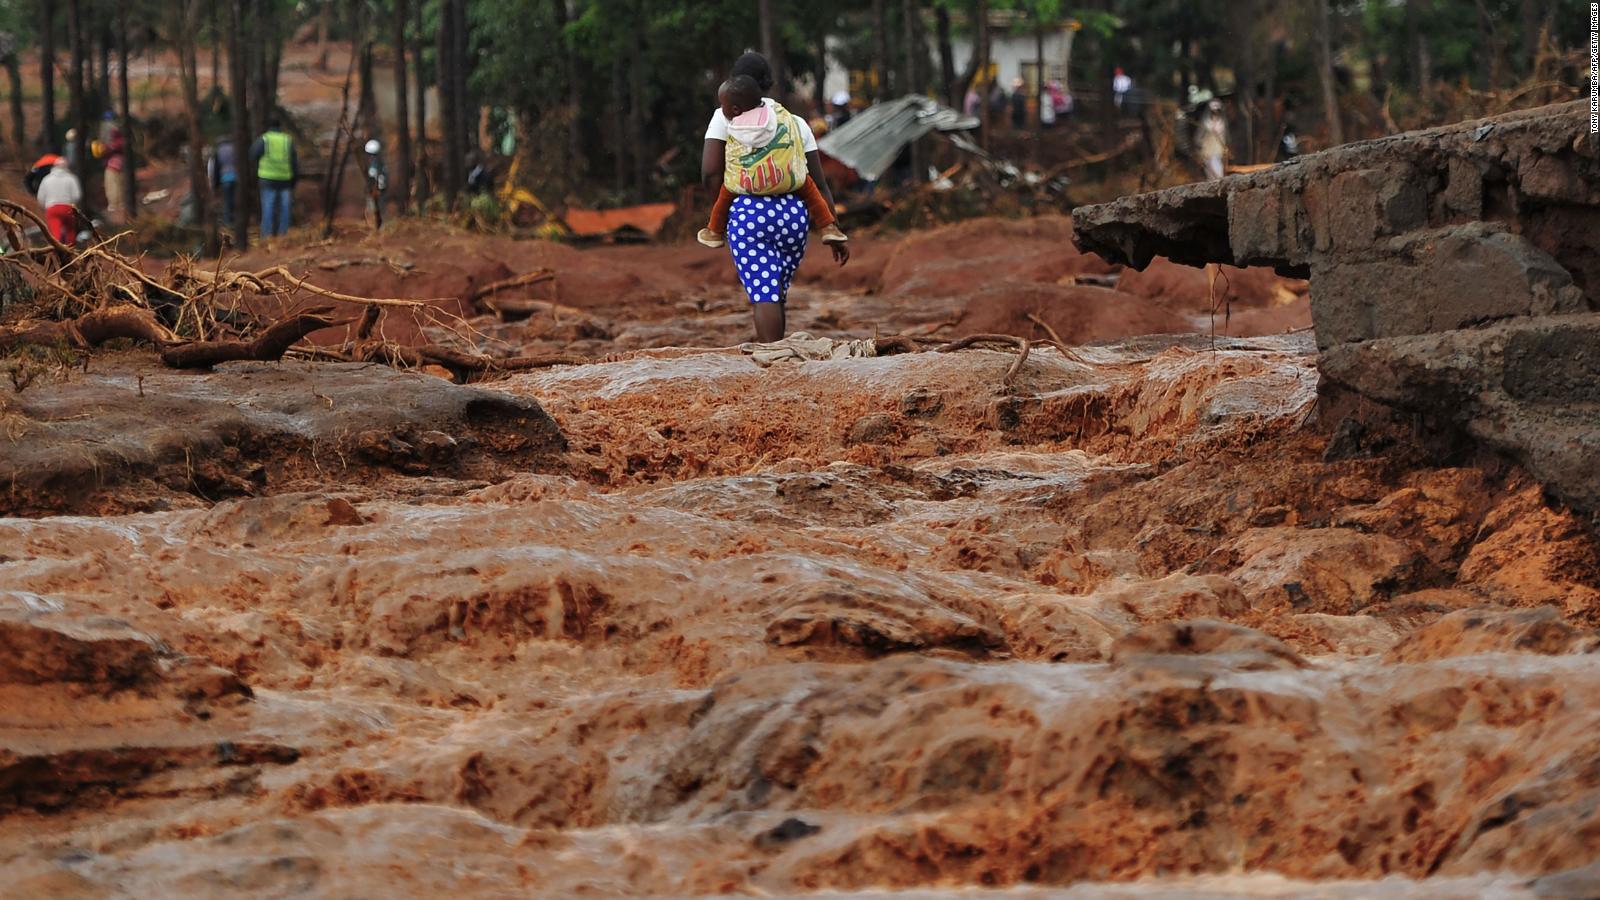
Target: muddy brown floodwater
x=1132, y=627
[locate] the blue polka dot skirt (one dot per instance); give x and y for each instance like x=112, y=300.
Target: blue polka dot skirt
x=767, y=237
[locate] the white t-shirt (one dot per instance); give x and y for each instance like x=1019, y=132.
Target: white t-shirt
x=718, y=129
x=60, y=187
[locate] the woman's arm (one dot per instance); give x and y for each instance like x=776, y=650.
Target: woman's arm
x=711, y=162
x=814, y=169
x=841, y=252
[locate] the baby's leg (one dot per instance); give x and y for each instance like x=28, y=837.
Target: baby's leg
x=714, y=234
x=719, y=210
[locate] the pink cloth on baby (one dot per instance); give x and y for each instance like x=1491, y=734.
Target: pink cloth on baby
x=755, y=117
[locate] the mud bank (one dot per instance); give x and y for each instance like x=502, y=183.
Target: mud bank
x=1130, y=626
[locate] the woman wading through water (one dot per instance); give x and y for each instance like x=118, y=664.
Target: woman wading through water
x=767, y=232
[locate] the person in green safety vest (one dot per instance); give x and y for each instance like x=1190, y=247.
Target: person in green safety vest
x=276, y=169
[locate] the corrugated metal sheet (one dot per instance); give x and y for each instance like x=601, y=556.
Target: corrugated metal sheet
x=871, y=140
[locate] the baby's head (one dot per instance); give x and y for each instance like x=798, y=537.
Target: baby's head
x=739, y=94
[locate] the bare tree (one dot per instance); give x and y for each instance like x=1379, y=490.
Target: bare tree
x=980, y=53
x=402, y=131
x=183, y=36
x=13, y=64
x=1330, y=87
x=47, y=72
x=238, y=86
x=76, y=89
x=947, y=60
x=130, y=199
x=880, y=52
x=450, y=112
x=421, y=170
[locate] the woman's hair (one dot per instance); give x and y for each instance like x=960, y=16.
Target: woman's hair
x=756, y=66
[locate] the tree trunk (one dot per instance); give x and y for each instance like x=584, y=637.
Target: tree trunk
x=980, y=50
x=339, y=153
x=947, y=56
x=216, y=46
x=1038, y=70
x=421, y=173
x=1534, y=16
x=263, y=103
x=47, y=74
x=1416, y=44
x=366, y=124
x=102, y=88
x=1330, y=87
x=880, y=56
x=575, y=156
x=911, y=11
x=619, y=122
x=402, y=118
x=636, y=135
x=449, y=112
x=130, y=196
x=19, y=123
x=238, y=86
x=819, y=73
x=78, y=98
x=189, y=75
x=466, y=109
x=769, y=48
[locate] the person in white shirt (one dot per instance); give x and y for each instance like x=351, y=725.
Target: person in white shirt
x=1121, y=84
x=59, y=194
x=766, y=233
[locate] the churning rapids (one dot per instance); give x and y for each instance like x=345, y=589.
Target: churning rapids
x=1135, y=626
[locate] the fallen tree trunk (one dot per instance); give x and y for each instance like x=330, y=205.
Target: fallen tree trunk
x=464, y=366
x=91, y=330
x=268, y=346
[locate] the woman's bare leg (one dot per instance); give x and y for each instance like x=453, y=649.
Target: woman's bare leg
x=770, y=321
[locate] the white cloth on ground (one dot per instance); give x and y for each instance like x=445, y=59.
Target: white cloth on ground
x=801, y=346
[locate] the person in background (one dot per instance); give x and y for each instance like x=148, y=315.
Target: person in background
x=839, y=113
x=997, y=97
x=1019, y=104
x=377, y=181
x=479, y=179
x=1047, y=109
x=1060, y=99
x=277, y=169
x=1289, y=143
x=116, y=155
x=1213, y=141
x=972, y=103
x=59, y=194
x=224, y=166
x=1121, y=84
x=71, y=150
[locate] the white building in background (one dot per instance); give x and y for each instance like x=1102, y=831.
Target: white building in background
x=1013, y=53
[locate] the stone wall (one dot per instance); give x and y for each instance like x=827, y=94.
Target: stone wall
x=1489, y=227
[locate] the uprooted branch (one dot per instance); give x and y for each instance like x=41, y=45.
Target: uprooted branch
x=899, y=343
x=270, y=345
x=258, y=282
x=90, y=330
x=507, y=284
x=464, y=366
